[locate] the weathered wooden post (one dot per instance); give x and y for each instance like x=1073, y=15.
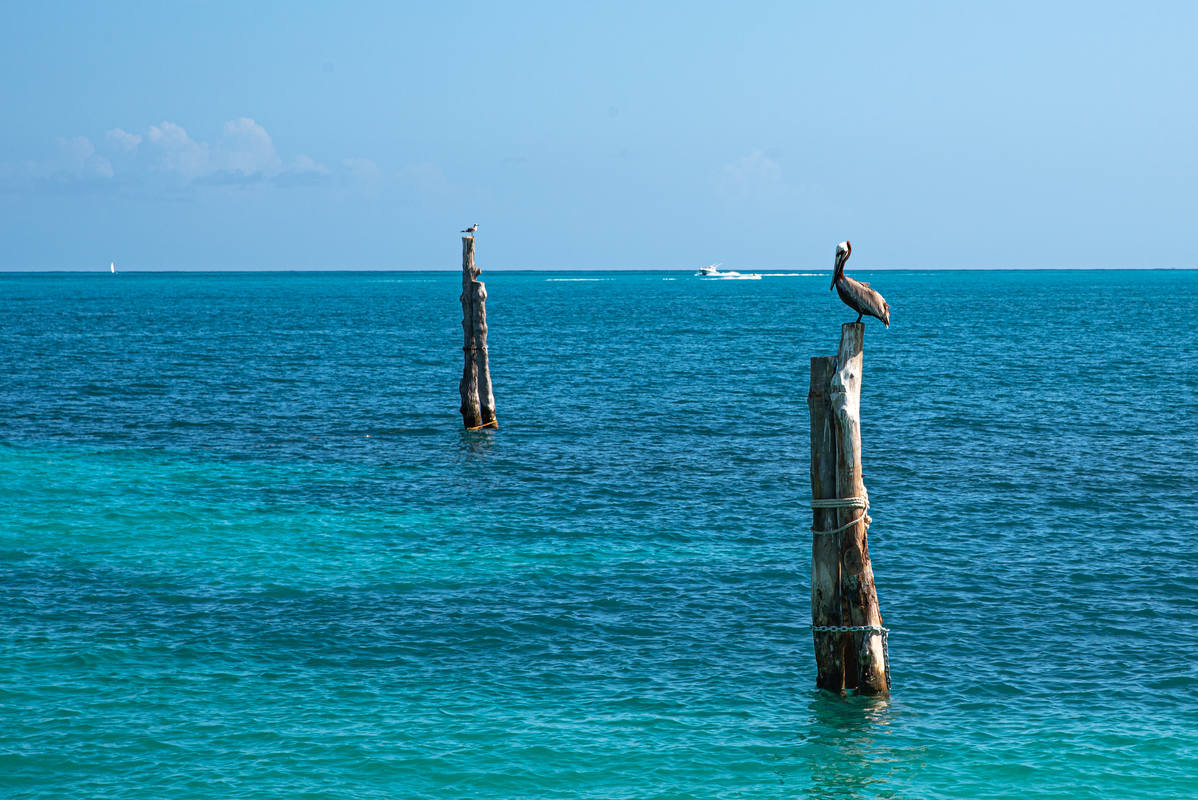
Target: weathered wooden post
x=861, y=649
x=478, y=403
x=825, y=554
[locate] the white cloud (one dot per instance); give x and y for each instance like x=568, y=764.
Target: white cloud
x=244, y=154
x=123, y=141
x=363, y=169
x=177, y=152
x=77, y=159
x=247, y=149
x=75, y=150
x=101, y=167
x=303, y=171
x=304, y=164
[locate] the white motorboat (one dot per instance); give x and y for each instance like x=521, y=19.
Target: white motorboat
x=713, y=271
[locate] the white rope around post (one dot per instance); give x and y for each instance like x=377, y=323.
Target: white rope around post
x=843, y=502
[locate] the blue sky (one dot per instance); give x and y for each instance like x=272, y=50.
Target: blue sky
x=284, y=135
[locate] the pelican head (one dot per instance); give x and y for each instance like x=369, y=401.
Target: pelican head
x=843, y=250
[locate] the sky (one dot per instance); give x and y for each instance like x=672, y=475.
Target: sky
x=289, y=135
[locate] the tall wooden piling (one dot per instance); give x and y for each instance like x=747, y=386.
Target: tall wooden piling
x=857, y=659
x=478, y=403
x=825, y=554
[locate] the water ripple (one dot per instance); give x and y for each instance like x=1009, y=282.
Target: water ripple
x=246, y=549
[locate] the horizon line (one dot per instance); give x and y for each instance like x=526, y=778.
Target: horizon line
x=244, y=270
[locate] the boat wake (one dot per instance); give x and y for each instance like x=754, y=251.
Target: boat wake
x=712, y=272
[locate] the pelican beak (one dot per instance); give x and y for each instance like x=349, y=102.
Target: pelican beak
x=842, y=255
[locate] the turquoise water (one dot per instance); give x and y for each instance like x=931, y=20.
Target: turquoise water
x=246, y=549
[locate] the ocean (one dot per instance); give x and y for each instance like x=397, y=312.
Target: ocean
x=247, y=550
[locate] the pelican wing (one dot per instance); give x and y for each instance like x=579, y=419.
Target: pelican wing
x=862, y=299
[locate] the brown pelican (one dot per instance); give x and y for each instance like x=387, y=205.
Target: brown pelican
x=472, y=229
x=855, y=294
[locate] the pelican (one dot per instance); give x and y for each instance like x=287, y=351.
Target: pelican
x=472, y=229
x=855, y=294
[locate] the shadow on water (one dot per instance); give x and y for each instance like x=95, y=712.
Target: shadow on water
x=842, y=745
x=476, y=444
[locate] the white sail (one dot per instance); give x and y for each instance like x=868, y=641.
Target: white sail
x=112, y=267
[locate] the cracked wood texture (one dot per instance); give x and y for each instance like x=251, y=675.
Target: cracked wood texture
x=865, y=667
x=478, y=403
x=825, y=554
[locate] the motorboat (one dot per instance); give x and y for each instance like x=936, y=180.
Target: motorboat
x=713, y=271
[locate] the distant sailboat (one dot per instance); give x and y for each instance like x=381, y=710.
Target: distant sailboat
x=112, y=267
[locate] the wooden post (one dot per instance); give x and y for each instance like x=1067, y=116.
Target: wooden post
x=865, y=662
x=825, y=554
x=478, y=403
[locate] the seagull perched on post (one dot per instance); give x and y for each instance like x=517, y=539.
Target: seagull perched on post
x=855, y=294
x=472, y=229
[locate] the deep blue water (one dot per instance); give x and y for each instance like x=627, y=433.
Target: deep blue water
x=246, y=549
